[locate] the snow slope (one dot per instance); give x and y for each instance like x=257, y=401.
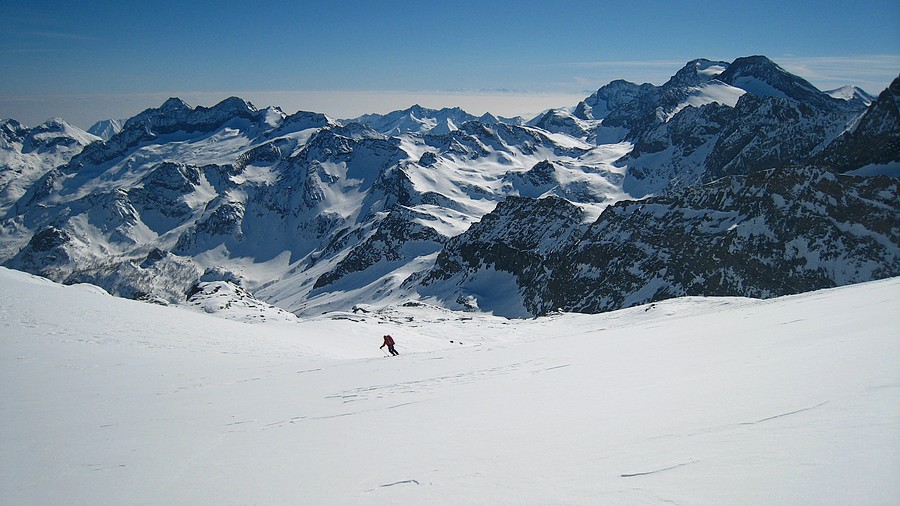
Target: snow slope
x=707, y=93
x=794, y=400
x=107, y=128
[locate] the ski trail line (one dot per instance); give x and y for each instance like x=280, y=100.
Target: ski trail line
x=631, y=475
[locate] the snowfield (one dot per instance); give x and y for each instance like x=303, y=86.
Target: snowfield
x=794, y=400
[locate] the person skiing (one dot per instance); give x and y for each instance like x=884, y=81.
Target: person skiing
x=389, y=342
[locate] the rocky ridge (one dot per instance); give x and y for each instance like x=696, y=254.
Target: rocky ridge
x=774, y=232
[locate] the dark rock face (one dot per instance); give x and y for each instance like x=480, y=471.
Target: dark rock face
x=770, y=233
x=398, y=238
x=615, y=96
x=516, y=238
x=874, y=140
x=48, y=240
x=160, y=199
x=768, y=132
x=216, y=226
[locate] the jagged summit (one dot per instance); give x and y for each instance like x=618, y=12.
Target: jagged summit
x=422, y=120
x=302, y=120
x=105, y=129
x=27, y=154
x=489, y=119
x=872, y=144
x=697, y=72
x=55, y=123
x=608, y=98
x=174, y=104
x=852, y=93
x=416, y=119
x=763, y=78
x=561, y=120
x=175, y=114
x=49, y=134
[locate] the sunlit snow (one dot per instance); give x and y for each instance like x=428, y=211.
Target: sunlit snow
x=708, y=93
x=794, y=400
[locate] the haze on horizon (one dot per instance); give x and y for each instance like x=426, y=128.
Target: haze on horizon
x=112, y=60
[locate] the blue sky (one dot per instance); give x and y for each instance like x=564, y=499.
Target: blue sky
x=86, y=61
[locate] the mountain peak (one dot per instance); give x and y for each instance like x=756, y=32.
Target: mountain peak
x=174, y=114
x=416, y=119
x=756, y=59
x=231, y=107
x=10, y=123
x=174, y=104
x=417, y=111
x=489, y=119
x=56, y=128
x=609, y=98
x=106, y=128
x=757, y=66
x=11, y=129
x=235, y=104
x=762, y=77
x=697, y=72
x=420, y=111
x=709, y=67
x=851, y=93
x=53, y=124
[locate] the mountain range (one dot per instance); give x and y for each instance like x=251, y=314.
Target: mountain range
x=732, y=178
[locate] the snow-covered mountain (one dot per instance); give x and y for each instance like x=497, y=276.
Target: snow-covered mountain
x=770, y=233
x=26, y=154
x=418, y=119
x=752, y=115
x=761, y=77
x=871, y=144
x=287, y=206
x=310, y=213
x=852, y=94
x=791, y=400
x=107, y=128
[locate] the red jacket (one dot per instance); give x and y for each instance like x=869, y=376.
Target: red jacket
x=388, y=341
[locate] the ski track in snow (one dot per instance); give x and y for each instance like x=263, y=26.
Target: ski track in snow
x=789, y=413
x=399, y=483
x=645, y=473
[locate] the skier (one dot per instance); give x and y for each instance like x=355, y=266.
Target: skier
x=389, y=342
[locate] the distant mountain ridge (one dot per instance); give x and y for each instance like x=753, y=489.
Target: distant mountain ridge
x=418, y=119
x=311, y=213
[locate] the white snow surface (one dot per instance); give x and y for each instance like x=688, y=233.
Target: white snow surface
x=794, y=400
x=758, y=87
x=708, y=93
